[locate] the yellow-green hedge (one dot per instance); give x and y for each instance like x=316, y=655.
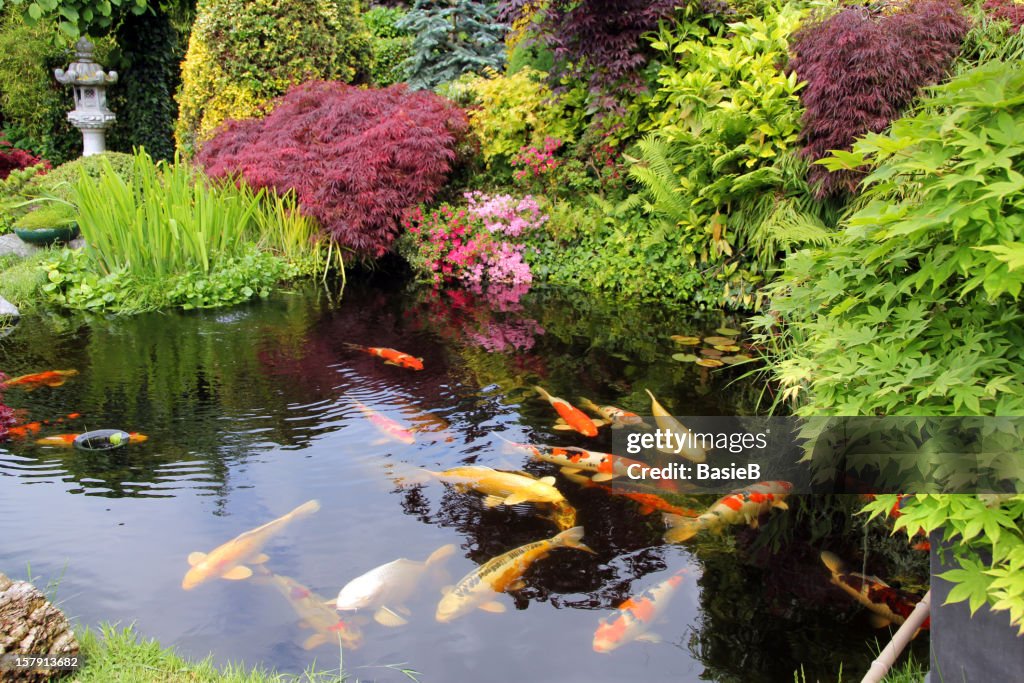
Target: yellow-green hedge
x=243, y=53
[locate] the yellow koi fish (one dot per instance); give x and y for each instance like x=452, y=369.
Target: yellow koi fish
x=503, y=488
x=389, y=586
x=313, y=613
x=228, y=561
x=386, y=425
x=636, y=615
x=500, y=574
x=742, y=506
x=683, y=435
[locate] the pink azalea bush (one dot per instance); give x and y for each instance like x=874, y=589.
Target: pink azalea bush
x=474, y=243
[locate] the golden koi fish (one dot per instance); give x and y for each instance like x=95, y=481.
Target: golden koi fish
x=386, y=425
x=503, y=488
x=742, y=506
x=500, y=574
x=313, y=613
x=572, y=417
x=617, y=417
x=228, y=561
x=683, y=435
x=389, y=586
x=887, y=604
x=636, y=615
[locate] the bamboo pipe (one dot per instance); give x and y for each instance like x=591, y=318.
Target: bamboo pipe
x=887, y=657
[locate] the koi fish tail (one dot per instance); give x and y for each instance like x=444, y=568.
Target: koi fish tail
x=682, y=528
x=572, y=538
x=590, y=405
x=543, y=394
x=354, y=347
x=440, y=555
x=832, y=561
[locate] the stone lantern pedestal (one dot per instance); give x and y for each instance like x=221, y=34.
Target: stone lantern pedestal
x=89, y=83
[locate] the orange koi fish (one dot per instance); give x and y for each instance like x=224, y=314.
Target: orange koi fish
x=500, y=574
x=386, y=425
x=391, y=356
x=24, y=430
x=617, y=417
x=227, y=561
x=887, y=604
x=50, y=378
x=313, y=613
x=649, y=502
x=636, y=615
x=742, y=506
x=68, y=440
x=572, y=417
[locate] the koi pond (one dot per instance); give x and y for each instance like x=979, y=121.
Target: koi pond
x=252, y=412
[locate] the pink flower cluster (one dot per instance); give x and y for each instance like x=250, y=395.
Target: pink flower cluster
x=503, y=213
x=467, y=243
x=530, y=161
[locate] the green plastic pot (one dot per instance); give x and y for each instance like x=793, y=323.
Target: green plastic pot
x=43, y=237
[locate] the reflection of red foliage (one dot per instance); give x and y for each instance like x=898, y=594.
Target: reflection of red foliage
x=480, y=316
x=6, y=414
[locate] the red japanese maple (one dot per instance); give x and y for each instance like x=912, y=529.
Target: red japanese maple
x=12, y=159
x=356, y=158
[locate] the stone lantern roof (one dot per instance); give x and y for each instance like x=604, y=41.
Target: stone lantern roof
x=84, y=70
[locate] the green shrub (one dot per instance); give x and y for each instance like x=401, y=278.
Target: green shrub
x=21, y=279
x=390, y=45
x=59, y=181
x=12, y=194
x=49, y=216
x=243, y=53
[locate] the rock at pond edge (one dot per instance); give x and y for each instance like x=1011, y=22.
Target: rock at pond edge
x=30, y=625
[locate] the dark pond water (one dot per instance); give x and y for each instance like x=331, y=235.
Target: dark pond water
x=253, y=410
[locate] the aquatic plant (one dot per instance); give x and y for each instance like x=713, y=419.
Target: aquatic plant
x=894, y=54
x=355, y=158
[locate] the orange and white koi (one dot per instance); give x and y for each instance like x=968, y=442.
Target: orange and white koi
x=313, y=613
x=228, y=561
x=887, y=604
x=386, y=425
x=572, y=460
x=500, y=574
x=68, y=440
x=572, y=417
x=742, y=506
x=50, y=378
x=391, y=356
x=617, y=417
x=636, y=615
x=682, y=435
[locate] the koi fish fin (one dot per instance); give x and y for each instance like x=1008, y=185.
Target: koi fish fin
x=599, y=423
x=569, y=471
x=646, y=509
x=832, y=561
x=563, y=427
x=617, y=425
x=440, y=555
x=517, y=585
x=447, y=589
x=391, y=362
x=495, y=501
x=543, y=394
x=196, y=557
x=237, y=573
x=683, y=528
x=572, y=538
x=602, y=476
x=405, y=611
x=755, y=522
x=260, y=559
x=550, y=481
x=387, y=617
x=516, y=498
x=780, y=504
x=315, y=640
x=650, y=638
x=493, y=606
x=878, y=621
x=578, y=478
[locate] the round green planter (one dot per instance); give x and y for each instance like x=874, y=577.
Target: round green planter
x=42, y=237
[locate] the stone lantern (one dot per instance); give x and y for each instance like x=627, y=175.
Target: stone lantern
x=89, y=83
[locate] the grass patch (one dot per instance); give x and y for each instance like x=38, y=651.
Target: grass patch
x=117, y=655
x=21, y=278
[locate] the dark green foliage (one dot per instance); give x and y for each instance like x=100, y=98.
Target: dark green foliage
x=390, y=45
x=149, y=73
x=452, y=39
x=75, y=17
x=531, y=54
x=58, y=182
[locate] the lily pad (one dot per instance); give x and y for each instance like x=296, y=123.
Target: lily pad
x=715, y=353
x=684, y=357
x=728, y=332
x=719, y=341
x=683, y=339
x=710, y=363
x=728, y=347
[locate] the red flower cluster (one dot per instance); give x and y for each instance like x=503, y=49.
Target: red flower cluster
x=13, y=159
x=356, y=158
